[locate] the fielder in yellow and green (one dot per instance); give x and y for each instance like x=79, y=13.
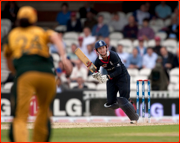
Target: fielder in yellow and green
x=27, y=56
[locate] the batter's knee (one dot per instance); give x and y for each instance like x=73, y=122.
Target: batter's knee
x=125, y=93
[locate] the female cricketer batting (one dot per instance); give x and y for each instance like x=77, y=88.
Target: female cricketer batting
x=117, y=79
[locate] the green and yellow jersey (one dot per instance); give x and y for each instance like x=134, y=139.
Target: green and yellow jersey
x=28, y=48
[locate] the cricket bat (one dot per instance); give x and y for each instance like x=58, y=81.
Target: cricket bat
x=85, y=60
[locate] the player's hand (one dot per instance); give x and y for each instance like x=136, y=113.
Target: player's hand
x=104, y=78
x=101, y=78
x=96, y=75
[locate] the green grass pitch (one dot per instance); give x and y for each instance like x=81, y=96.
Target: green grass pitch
x=160, y=133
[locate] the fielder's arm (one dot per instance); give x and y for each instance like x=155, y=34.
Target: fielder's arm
x=66, y=63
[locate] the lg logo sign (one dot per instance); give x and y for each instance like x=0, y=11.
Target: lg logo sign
x=73, y=107
x=5, y=107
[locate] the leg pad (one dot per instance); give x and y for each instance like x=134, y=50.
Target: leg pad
x=128, y=108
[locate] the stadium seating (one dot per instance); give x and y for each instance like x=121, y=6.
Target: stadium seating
x=4, y=31
x=5, y=27
x=91, y=85
x=157, y=22
x=129, y=14
x=170, y=44
x=4, y=75
x=122, y=15
x=174, y=80
x=136, y=43
x=73, y=84
x=111, y=29
x=101, y=86
x=176, y=87
x=82, y=21
x=71, y=35
x=167, y=22
x=68, y=49
x=81, y=34
x=133, y=72
x=114, y=43
x=156, y=25
x=55, y=57
x=162, y=35
x=126, y=43
x=174, y=72
x=56, y=60
x=69, y=42
x=77, y=15
x=131, y=79
x=155, y=28
x=145, y=72
x=171, y=87
x=106, y=21
x=116, y=36
x=61, y=28
x=105, y=14
x=6, y=22
x=151, y=43
x=133, y=86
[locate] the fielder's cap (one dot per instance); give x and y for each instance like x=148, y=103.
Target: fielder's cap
x=27, y=12
x=140, y=39
x=157, y=38
x=73, y=14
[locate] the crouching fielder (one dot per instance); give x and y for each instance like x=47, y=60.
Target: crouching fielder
x=117, y=79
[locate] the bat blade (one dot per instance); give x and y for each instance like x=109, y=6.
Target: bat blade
x=85, y=60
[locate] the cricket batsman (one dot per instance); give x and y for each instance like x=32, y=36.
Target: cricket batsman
x=118, y=79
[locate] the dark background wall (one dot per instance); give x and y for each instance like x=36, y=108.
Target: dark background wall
x=47, y=10
x=129, y=6
x=111, y=6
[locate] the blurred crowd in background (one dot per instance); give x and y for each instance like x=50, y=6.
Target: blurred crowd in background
x=147, y=38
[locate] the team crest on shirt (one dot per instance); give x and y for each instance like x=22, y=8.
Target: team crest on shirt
x=118, y=65
x=111, y=63
x=104, y=65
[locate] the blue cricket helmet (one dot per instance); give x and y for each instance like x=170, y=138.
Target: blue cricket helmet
x=100, y=43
